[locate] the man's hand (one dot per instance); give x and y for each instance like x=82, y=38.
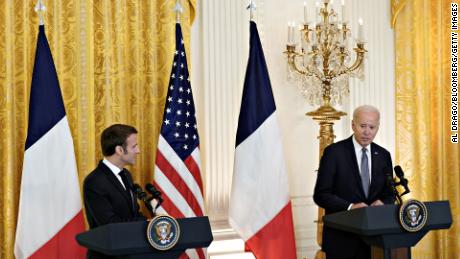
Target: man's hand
x=377, y=203
x=358, y=205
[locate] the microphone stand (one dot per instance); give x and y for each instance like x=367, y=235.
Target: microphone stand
x=141, y=195
x=403, y=182
x=155, y=194
x=391, y=183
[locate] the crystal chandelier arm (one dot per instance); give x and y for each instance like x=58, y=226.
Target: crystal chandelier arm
x=360, y=51
x=304, y=70
x=292, y=57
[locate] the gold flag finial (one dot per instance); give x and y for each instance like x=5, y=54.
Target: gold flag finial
x=178, y=9
x=251, y=7
x=40, y=9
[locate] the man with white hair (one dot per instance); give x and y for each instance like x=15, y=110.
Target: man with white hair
x=352, y=174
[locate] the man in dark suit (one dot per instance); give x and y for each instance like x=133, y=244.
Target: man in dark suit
x=351, y=175
x=107, y=189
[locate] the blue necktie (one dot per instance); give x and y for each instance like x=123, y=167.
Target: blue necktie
x=365, y=172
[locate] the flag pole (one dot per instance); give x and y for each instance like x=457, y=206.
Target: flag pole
x=40, y=9
x=251, y=7
x=178, y=10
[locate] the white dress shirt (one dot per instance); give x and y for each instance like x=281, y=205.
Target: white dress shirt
x=115, y=170
x=359, y=154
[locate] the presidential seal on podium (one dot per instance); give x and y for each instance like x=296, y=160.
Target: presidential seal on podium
x=413, y=215
x=163, y=232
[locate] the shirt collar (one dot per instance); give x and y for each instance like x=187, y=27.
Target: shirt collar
x=115, y=169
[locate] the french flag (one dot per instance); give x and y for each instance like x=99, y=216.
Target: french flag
x=260, y=209
x=50, y=210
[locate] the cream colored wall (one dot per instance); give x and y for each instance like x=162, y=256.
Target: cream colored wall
x=220, y=42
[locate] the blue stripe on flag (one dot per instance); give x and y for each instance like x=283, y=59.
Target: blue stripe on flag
x=257, y=103
x=46, y=107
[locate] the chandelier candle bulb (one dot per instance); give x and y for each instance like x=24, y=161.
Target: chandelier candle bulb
x=344, y=18
x=317, y=13
x=340, y=36
x=289, y=33
x=305, y=13
x=313, y=34
x=360, y=30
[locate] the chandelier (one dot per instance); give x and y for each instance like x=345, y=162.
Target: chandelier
x=321, y=63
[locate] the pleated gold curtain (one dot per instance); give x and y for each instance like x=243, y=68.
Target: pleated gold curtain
x=113, y=59
x=423, y=114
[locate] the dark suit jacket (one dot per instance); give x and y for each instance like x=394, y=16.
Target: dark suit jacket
x=339, y=184
x=107, y=201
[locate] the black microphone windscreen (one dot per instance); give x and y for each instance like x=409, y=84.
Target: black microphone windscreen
x=152, y=190
x=399, y=172
x=137, y=188
x=148, y=187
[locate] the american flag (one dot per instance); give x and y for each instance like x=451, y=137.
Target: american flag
x=177, y=165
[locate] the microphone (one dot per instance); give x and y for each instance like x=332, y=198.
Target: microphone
x=155, y=193
x=141, y=195
x=402, y=181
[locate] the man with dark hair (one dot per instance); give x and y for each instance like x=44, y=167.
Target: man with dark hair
x=107, y=189
x=351, y=175
x=114, y=136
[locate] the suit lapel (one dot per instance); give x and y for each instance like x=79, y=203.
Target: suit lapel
x=116, y=183
x=354, y=164
x=376, y=160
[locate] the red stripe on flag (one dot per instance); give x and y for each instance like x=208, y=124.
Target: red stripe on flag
x=276, y=239
x=168, y=205
x=200, y=253
x=178, y=182
x=63, y=244
x=195, y=171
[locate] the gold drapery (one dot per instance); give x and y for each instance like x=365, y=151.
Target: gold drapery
x=396, y=6
x=113, y=60
x=423, y=115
